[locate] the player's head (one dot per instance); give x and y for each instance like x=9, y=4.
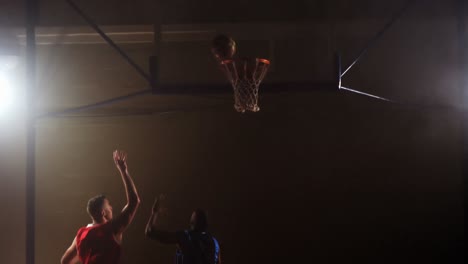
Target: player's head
x=198, y=221
x=99, y=209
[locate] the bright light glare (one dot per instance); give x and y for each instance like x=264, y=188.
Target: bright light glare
x=6, y=94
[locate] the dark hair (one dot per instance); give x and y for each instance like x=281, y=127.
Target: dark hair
x=202, y=220
x=94, y=206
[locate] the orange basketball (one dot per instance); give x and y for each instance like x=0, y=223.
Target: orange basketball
x=223, y=47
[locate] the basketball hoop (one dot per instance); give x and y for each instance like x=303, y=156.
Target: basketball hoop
x=245, y=76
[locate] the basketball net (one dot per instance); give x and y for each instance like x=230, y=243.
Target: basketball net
x=245, y=76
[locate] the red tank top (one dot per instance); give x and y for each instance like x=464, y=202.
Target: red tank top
x=97, y=245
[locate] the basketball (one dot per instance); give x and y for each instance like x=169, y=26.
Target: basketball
x=223, y=47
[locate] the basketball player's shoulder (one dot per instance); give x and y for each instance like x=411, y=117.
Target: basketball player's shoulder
x=82, y=229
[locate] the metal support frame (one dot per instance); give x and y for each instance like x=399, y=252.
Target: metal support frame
x=157, y=88
x=371, y=42
x=31, y=19
x=199, y=89
x=462, y=13
x=366, y=94
x=94, y=105
x=110, y=41
x=156, y=58
x=338, y=70
x=378, y=35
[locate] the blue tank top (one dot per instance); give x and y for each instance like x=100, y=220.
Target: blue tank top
x=197, y=248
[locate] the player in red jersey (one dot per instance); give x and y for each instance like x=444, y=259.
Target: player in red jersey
x=99, y=242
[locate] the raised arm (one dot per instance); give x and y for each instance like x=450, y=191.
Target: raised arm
x=152, y=231
x=121, y=222
x=71, y=255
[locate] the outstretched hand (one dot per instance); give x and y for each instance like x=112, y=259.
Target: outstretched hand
x=120, y=160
